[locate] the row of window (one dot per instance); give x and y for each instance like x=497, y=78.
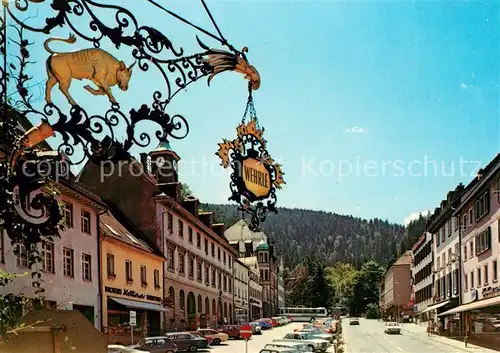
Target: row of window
x=129, y=273
x=220, y=281
x=221, y=308
x=221, y=255
x=68, y=217
x=423, y=294
x=482, y=243
x=48, y=261
x=452, y=257
x=483, y=276
x=423, y=273
x=481, y=208
x=422, y=254
x=447, y=284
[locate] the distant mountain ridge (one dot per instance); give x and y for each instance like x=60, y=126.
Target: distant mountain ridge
x=330, y=237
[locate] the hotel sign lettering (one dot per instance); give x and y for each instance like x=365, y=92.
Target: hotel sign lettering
x=256, y=177
x=489, y=292
x=131, y=294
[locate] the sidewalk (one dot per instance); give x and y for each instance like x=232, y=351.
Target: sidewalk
x=459, y=344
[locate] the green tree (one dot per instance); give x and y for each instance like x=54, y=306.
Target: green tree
x=185, y=191
x=372, y=311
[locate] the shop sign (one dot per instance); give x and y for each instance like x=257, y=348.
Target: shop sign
x=489, y=292
x=133, y=318
x=131, y=294
x=256, y=175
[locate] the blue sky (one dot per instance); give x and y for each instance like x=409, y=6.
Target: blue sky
x=356, y=98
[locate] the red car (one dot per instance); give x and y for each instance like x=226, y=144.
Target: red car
x=233, y=331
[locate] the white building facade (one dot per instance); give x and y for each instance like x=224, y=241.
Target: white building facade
x=254, y=287
x=70, y=265
x=422, y=275
x=241, y=289
x=281, y=284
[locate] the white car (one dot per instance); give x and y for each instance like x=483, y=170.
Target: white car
x=301, y=347
x=317, y=345
x=116, y=348
x=392, y=327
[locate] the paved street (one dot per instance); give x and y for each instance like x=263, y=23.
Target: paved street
x=257, y=342
x=369, y=337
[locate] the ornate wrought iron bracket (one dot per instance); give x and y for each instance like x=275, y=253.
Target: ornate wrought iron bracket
x=149, y=47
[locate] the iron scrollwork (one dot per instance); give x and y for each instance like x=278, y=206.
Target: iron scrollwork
x=79, y=129
x=256, y=175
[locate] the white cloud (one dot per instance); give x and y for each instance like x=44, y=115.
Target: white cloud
x=356, y=130
x=413, y=216
x=463, y=85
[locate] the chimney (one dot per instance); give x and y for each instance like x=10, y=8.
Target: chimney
x=218, y=228
x=144, y=162
x=171, y=189
x=191, y=204
x=206, y=218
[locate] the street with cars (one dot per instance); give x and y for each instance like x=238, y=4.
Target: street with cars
x=276, y=335
x=371, y=336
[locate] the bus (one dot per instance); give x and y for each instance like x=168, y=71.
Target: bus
x=299, y=314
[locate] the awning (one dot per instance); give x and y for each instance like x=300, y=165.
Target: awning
x=139, y=305
x=474, y=305
x=434, y=307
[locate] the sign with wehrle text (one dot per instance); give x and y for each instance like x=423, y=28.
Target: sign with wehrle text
x=256, y=176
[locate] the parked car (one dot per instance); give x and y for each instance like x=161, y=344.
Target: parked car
x=392, y=327
x=196, y=333
x=318, y=345
x=354, y=321
x=185, y=341
x=116, y=348
x=265, y=324
x=319, y=333
x=273, y=322
x=214, y=337
x=301, y=347
x=279, y=350
x=232, y=331
x=157, y=344
x=256, y=328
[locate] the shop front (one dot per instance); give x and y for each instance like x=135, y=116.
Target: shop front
x=132, y=284
x=123, y=307
x=255, y=309
x=481, y=317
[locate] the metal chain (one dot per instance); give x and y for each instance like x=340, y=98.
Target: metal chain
x=250, y=112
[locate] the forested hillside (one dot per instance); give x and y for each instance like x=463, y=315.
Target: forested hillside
x=328, y=236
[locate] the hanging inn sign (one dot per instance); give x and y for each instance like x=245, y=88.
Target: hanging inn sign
x=256, y=176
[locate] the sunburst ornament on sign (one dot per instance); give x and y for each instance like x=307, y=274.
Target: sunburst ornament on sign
x=256, y=175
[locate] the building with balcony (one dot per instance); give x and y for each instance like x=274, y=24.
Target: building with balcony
x=70, y=263
x=479, y=215
x=132, y=280
x=422, y=275
x=446, y=243
x=198, y=274
x=241, y=295
x=254, y=287
x=395, y=288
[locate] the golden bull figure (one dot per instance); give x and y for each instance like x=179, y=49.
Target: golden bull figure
x=92, y=64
